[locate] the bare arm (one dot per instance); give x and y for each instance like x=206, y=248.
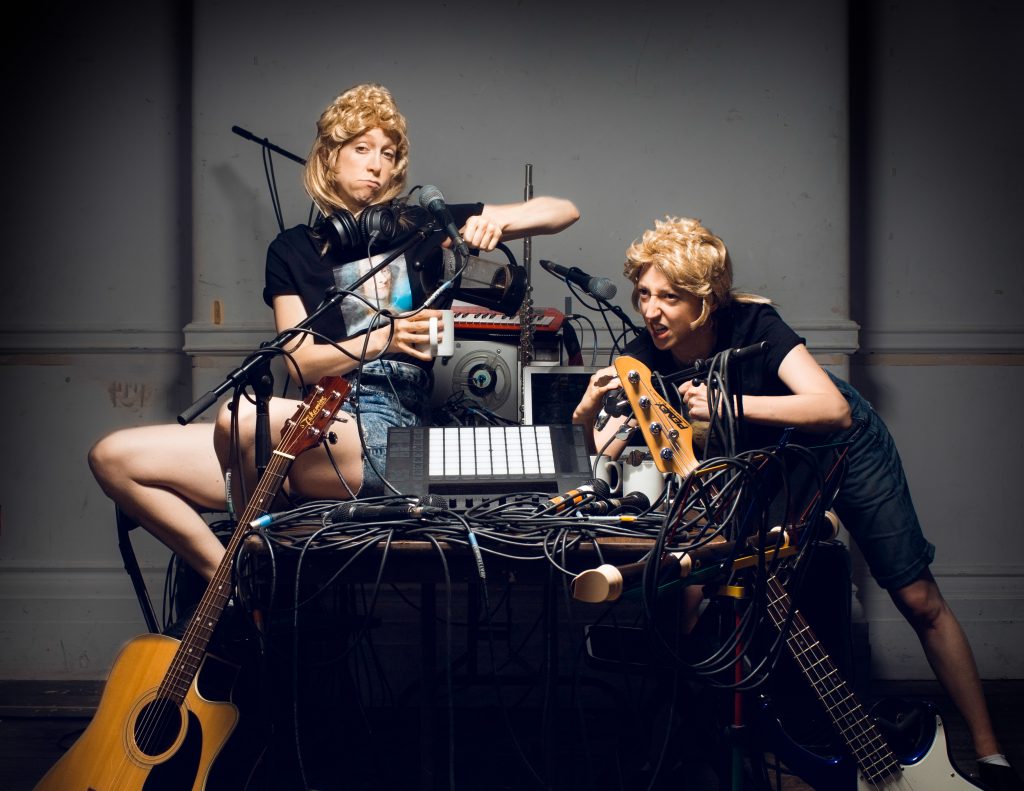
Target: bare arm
x=540, y=215
x=815, y=405
x=315, y=360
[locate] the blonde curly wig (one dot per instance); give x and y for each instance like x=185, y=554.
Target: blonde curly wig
x=357, y=110
x=691, y=258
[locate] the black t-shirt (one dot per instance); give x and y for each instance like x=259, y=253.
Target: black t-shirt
x=738, y=324
x=295, y=265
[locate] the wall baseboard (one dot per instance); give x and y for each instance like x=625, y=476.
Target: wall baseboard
x=48, y=698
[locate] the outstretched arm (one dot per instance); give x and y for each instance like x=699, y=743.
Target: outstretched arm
x=498, y=222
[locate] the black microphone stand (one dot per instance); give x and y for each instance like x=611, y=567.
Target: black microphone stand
x=620, y=314
x=266, y=144
x=255, y=371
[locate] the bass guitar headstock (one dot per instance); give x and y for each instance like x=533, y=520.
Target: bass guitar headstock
x=669, y=437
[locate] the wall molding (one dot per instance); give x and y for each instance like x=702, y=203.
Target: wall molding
x=834, y=337
x=89, y=339
x=204, y=338
x=201, y=338
x=942, y=340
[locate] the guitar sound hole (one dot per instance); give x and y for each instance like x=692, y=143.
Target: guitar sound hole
x=157, y=726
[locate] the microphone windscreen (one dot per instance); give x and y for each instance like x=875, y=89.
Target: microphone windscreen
x=429, y=194
x=602, y=287
x=598, y=585
x=638, y=500
x=434, y=501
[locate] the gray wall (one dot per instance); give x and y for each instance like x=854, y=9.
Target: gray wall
x=133, y=208
x=937, y=287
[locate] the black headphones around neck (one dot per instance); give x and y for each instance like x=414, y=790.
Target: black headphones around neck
x=348, y=233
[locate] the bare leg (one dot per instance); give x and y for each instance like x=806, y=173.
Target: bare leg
x=949, y=654
x=312, y=474
x=160, y=475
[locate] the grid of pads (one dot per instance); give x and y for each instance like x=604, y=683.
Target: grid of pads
x=464, y=451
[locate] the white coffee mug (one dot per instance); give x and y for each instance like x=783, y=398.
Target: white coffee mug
x=643, y=477
x=442, y=335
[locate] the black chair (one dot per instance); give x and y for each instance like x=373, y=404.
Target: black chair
x=125, y=524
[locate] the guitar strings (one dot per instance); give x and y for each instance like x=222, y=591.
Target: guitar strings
x=187, y=660
x=876, y=763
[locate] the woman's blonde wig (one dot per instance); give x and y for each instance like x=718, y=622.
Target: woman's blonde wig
x=691, y=258
x=358, y=110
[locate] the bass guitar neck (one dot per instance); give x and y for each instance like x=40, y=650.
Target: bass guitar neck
x=875, y=767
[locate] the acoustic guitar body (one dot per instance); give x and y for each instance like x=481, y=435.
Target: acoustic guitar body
x=165, y=714
x=138, y=741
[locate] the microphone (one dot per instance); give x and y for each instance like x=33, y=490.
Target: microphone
x=598, y=287
x=635, y=500
x=753, y=350
x=372, y=512
x=594, y=487
x=615, y=403
x=432, y=200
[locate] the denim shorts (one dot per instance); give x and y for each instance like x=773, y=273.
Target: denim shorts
x=874, y=499
x=385, y=393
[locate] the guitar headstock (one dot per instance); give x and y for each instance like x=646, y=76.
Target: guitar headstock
x=306, y=428
x=668, y=436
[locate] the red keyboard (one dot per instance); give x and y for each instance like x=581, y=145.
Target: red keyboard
x=469, y=318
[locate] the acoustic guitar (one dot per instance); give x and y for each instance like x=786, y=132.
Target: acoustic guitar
x=154, y=728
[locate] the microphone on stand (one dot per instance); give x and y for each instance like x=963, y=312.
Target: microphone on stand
x=598, y=287
x=606, y=582
x=432, y=200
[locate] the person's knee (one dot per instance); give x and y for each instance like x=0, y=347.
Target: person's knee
x=921, y=603
x=107, y=459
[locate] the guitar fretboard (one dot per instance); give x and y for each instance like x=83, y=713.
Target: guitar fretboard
x=875, y=760
x=302, y=431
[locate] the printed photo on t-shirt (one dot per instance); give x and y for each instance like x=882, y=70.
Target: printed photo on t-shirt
x=388, y=289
